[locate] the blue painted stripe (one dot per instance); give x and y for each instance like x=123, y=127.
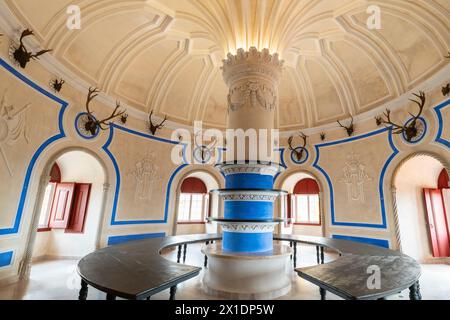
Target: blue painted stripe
x=118, y=176
x=383, y=224
x=377, y=242
x=6, y=258
x=247, y=242
x=15, y=228
x=248, y=210
x=438, y=109
x=249, y=181
x=133, y=237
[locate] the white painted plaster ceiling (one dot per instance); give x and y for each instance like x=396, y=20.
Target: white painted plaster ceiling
x=166, y=54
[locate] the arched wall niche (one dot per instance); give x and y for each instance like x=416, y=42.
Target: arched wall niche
x=38, y=182
x=435, y=159
x=211, y=178
x=287, y=181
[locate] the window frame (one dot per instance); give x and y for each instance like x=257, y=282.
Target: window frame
x=205, y=208
x=294, y=209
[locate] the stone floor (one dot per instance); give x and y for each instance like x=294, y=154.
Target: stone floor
x=57, y=280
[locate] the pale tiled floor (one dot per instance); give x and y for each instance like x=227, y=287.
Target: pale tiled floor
x=57, y=280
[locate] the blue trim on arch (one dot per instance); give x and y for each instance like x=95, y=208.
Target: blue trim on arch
x=438, y=110
x=6, y=258
x=383, y=224
x=374, y=241
x=112, y=240
x=42, y=147
x=78, y=130
x=114, y=127
x=282, y=162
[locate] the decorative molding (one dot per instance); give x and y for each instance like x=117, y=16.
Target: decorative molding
x=249, y=196
x=262, y=169
x=146, y=176
x=248, y=227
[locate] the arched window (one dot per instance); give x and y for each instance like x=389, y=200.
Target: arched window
x=305, y=202
x=193, y=204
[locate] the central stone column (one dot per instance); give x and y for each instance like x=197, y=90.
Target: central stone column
x=247, y=265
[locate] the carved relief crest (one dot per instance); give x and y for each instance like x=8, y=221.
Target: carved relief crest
x=355, y=178
x=147, y=177
x=12, y=127
x=253, y=93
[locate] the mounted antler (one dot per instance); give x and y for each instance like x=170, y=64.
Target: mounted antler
x=350, y=128
x=411, y=131
x=155, y=127
x=378, y=120
x=446, y=89
x=57, y=84
x=204, y=150
x=22, y=55
x=299, y=149
x=323, y=136
x=92, y=124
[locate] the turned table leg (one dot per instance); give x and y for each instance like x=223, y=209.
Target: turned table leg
x=83, y=291
x=322, y=256
x=323, y=294
x=414, y=292
x=179, y=254
x=295, y=255
x=173, y=292
x=184, y=252
x=318, y=254
x=205, y=264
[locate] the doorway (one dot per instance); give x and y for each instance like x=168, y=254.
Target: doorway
x=70, y=212
x=422, y=216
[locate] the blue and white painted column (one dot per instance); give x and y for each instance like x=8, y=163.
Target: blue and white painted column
x=249, y=202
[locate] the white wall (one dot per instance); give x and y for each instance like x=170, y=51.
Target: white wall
x=76, y=166
x=418, y=173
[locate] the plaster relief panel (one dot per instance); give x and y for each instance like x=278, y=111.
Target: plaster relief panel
x=145, y=173
x=27, y=120
x=355, y=172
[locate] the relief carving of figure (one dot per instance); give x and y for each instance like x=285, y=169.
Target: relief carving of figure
x=12, y=128
x=146, y=175
x=355, y=177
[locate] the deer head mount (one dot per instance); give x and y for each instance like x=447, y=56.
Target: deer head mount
x=299, y=150
x=378, y=120
x=153, y=127
x=57, y=84
x=92, y=124
x=202, y=151
x=323, y=136
x=410, y=130
x=350, y=129
x=446, y=89
x=22, y=55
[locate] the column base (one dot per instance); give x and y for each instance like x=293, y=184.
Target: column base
x=260, y=276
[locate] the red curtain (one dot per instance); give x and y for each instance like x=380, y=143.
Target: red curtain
x=193, y=185
x=443, y=180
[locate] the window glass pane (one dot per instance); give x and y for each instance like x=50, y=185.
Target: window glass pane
x=302, y=208
x=184, y=207
x=314, y=213
x=46, y=206
x=206, y=206
x=197, y=207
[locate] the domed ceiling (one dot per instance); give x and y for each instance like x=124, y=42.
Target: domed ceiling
x=166, y=54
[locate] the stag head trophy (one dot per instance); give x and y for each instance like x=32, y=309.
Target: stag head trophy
x=350, y=128
x=323, y=136
x=22, y=55
x=378, y=120
x=299, y=150
x=205, y=151
x=57, y=84
x=153, y=126
x=410, y=130
x=92, y=124
x=446, y=89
